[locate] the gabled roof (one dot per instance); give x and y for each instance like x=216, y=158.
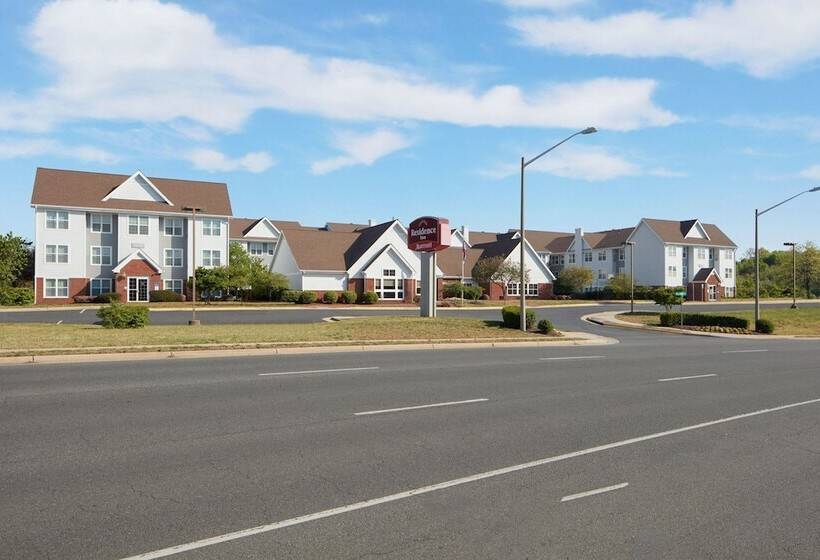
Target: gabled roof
x=673, y=231
x=138, y=254
x=338, y=226
x=82, y=189
x=608, y=239
x=477, y=237
x=137, y=187
x=320, y=249
x=704, y=273
x=449, y=261
x=548, y=241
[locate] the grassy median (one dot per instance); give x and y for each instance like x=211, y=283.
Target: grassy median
x=17, y=337
x=802, y=322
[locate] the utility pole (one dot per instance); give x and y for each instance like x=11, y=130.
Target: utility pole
x=793, y=245
x=193, y=209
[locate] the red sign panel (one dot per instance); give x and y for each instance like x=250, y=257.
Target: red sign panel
x=428, y=233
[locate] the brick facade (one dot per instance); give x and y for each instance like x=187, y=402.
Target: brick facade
x=140, y=268
x=76, y=287
x=699, y=291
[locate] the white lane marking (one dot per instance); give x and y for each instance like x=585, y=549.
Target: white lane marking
x=594, y=492
x=687, y=377
x=574, y=358
x=60, y=322
x=745, y=351
x=82, y=310
x=418, y=407
x=319, y=371
x=162, y=553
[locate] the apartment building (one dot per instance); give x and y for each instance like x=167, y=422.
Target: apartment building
x=97, y=233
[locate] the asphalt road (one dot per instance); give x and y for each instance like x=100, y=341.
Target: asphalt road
x=112, y=460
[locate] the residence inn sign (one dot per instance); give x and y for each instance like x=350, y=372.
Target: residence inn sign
x=428, y=234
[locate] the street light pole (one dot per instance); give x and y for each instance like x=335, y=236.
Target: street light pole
x=193, y=210
x=524, y=163
x=631, y=276
x=759, y=213
x=793, y=245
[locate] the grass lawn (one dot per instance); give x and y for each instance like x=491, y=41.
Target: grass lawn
x=804, y=321
x=19, y=336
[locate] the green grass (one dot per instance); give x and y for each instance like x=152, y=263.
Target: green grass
x=16, y=337
x=801, y=322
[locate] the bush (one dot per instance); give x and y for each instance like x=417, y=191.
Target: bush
x=330, y=297
x=764, y=326
x=453, y=290
x=111, y=297
x=349, y=296
x=164, y=295
x=666, y=297
x=369, y=298
x=700, y=320
x=307, y=297
x=16, y=296
x=291, y=296
x=118, y=316
x=545, y=326
x=511, y=316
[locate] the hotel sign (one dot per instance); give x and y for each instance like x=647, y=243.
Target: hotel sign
x=428, y=234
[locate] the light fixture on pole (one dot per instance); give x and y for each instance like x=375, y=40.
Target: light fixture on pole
x=759, y=213
x=631, y=276
x=524, y=164
x=793, y=245
x=193, y=210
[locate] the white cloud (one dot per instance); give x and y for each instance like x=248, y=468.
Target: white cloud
x=372, y=19
x=361, y=149
x=22, y=148
x=174, y=65
x=543, y=4
x=763, y=36
x=587, y=164
x=803, y=125
x=811, y=172
x=213, y=160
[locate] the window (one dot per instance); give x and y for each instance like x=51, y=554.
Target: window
x=56, y=219
x=173, y=227
x=101, y=256
x=602, y=275
x=269, y=247
x=101, y=223
x=529, y=289
x=211, y=227
x=57, y=254
x=673, y=271
x=512, y=289
x=173, y=285
x=390, y=286
x=100, y=286
x=587, y=256
x=571, y=258
x=728, y=292
x=173, y=258
x=138, y=225
x=255, y=248
x=701, y=254
x=729, y=254
x=621, y=254
x=711, y=254
x=685, y=252
x=727, y=273
x=211, y=258
x=601, y=255
x=672, y=251
x=56, y=287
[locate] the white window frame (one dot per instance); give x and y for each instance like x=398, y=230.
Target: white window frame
x=728, y=292
x=54, y=257
x=587, y=256
x=208, y=257
x=139, y=223
x=602, y=275
x=621, y=255
x=601, y=256
x=99, y=290
x=512, y=289
x=103, y=258
x=727, y=273
x=101, y=223
x=173, y=224
x=728, y=254
x=56, y=219
x=701, y=253
x=60, y=286
x=137, y=289
x=572, y=258
x=672, y=251
x=394, y=292
x=176, y=257
x=672, y=271
x=256, y=248
x=269, y=248
x=171, y=283
x=530, y=289
x=211, y=227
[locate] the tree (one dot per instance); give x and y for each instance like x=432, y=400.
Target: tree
x=247, y=276
x=485, y=269
x=210, y=280
x=666, y=297
x=16, y=258
x=808, y=267
x=621, y=285
x=497, y=270
x=573, y=279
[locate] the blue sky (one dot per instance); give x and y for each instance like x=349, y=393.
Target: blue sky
x=344, y=111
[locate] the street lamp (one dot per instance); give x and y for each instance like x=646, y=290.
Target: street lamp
x=793, y=245
x=631, y=276
x=759, y=213
x=193, y=210
x=524, y=164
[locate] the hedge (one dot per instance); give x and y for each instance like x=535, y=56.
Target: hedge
x=16, y=296
x=164, y=295
x=545, y=326
x=672, y=319
x=307, y=297
x=118, y=316
x=349, y=296
x=764, y=326
x=453, y=290
x=369, y=298
x=511, y=316
x=291, y=296
x=330, y=297
x=112, y=297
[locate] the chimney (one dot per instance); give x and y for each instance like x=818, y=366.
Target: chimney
x=465, y=233
x=371, y=222
x=579, y=247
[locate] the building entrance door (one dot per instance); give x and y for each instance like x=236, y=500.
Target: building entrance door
x=137, y=288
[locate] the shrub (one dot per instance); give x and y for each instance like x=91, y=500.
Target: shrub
x=307, y=297
x=349, y=296
x=369, y=298
x=164, y=295
x=511, y=316
x=111, y=297
x=545, y=326
x=16, y=296
x=666, y=297
x=670, y=319
x=454, y=289
x=330, y=297
x=291, y=296
x=764, y=326
x=118, y=316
